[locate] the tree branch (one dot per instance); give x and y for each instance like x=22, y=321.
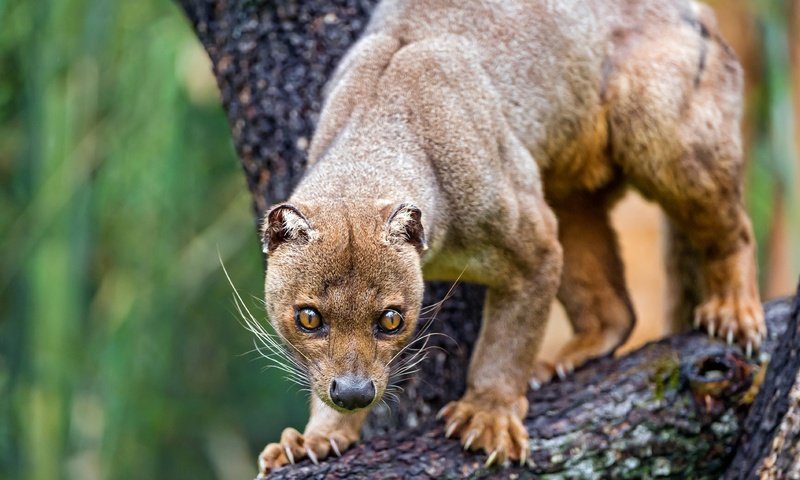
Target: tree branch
x=770, y=442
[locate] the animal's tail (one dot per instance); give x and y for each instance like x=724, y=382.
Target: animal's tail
x=684, y=287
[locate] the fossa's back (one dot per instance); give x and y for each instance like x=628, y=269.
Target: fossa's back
x=561, y=67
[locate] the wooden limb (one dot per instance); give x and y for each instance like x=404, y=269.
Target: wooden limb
x=272, y=60
x=770, y=442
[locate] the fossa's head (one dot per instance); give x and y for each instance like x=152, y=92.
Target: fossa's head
x=344, y=289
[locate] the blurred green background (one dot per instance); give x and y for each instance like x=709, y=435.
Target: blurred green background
x=120, y=353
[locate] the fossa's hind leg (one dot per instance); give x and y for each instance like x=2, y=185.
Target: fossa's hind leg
x=676, y=135
x=592, y=288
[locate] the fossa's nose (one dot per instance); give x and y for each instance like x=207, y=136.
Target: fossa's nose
x=352, y=392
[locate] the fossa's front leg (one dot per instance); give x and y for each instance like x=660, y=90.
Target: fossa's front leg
x=327, y=432
x=489, y=415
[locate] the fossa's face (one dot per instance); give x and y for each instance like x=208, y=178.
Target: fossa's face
x=345, y=300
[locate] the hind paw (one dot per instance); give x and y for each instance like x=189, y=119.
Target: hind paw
x=733, y=318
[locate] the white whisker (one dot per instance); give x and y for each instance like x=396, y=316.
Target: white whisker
x=266, y=344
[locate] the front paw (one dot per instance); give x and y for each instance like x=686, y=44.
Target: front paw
x=295, y=446
x=489, y=425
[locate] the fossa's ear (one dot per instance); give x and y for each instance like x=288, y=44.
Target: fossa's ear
x=284, y=223
x=405, y=225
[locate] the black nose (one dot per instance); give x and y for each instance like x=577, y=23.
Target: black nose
x=352, y=392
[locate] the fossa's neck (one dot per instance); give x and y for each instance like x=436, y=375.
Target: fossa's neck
x=372, y=163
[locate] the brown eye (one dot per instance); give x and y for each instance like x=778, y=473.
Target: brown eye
x=308, y=319
x=390, y=322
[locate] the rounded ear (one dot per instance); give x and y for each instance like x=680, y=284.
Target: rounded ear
x=284, y=223
x=405, y=225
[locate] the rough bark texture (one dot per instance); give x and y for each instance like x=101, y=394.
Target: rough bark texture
x=770, y=442
x=271, y=60
x=672, y=409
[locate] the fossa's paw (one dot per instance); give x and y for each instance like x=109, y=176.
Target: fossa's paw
x=579, y=350
x=489, y=426
x=543, y=372
x=733, y=317
x=295, y=446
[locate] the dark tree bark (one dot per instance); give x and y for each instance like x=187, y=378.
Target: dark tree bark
x=770, y=441
x=674, y=408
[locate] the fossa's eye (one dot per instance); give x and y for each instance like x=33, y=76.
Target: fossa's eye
x=308, y=319
x=390, y=322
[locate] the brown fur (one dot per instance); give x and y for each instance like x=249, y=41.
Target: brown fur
x=453, y=135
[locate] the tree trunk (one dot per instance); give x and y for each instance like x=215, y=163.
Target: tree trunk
x=770, y=441
x=673, y=408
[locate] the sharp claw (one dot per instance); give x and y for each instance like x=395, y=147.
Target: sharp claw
x=335, y=448
x=729, y=336
x=441, y=412
x=450, y=429
x=491, y=459
x=697, y=322
x=748, y=351
x=312, y=456
x=289, y=454
x=560, y=372
x=535, y=384
x=470, y=439
x=711, y=329
x=523, y=459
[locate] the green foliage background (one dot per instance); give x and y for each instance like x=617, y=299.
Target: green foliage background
x=120, y=353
